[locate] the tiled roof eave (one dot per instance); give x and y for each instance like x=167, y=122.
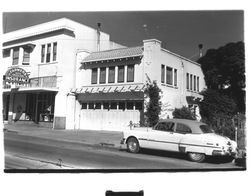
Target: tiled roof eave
x=111, y=58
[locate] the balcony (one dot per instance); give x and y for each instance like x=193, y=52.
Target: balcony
x=44, y=82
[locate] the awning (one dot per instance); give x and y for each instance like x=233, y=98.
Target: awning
x=27, y=45
x=109, y=88
x=110, y=92
x=113, y=54
x=87, y=97
x=11, y=39
x=30, y=89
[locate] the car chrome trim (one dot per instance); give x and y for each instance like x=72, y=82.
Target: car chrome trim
x=178, y=143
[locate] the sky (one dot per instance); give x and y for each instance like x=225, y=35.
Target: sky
x=179, y=31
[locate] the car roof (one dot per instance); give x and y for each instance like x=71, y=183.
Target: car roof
x=185, y=121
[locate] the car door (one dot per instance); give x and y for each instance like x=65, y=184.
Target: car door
x=163, y=137
x=182, y=132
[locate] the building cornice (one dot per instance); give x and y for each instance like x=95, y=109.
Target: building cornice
x=14, y=38
x=179, y=56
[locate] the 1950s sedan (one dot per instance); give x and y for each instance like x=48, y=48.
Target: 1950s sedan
x=180, y=135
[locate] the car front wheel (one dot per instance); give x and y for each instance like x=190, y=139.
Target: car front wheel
x=196, y=157
x=133, y=145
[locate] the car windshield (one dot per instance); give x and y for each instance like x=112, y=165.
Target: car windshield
x=206, y=129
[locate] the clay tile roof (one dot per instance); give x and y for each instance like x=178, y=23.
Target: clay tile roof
x=114, y=54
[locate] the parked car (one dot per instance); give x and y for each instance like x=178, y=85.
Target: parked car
x=194, y=138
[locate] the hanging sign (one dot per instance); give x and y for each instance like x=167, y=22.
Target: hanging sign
x=16, y=76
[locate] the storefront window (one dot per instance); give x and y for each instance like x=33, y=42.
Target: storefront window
x=46, y=107
x=40, y=107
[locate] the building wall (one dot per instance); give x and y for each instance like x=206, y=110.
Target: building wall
x=172, y=96
x=77, y=36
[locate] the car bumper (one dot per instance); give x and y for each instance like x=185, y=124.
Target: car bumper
x=223, y=153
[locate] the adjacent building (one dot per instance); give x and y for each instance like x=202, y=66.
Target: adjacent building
x=63, y=74
x=39, y=64
x=111, y=84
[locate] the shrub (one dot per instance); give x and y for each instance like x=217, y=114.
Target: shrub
x=183, y=113
x=153, y=107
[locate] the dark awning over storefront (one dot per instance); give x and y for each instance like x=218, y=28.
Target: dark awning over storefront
x=114, y=96
x=29, y=90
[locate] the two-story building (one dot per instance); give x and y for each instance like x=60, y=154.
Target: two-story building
x=110, y=86
x=63, y=74
x=39, y=69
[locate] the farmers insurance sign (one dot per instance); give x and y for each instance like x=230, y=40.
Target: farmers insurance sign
x=16, y=76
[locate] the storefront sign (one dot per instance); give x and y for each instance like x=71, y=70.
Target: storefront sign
x=16, y=77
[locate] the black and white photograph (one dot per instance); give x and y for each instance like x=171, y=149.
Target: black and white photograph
x=77, y=97
x=124, y=92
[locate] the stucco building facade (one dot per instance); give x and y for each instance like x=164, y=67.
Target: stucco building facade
x=63, y=74
x=39, y=66
x=110, y=85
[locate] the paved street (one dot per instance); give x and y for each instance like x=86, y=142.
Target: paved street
x=30, y=152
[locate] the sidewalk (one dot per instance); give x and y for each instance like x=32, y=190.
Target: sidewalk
x=109, y=139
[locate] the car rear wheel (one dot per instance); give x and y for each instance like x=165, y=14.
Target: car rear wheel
x=133, y=145
x=196, y=157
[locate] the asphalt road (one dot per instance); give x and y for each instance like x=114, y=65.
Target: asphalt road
x=27, y=152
